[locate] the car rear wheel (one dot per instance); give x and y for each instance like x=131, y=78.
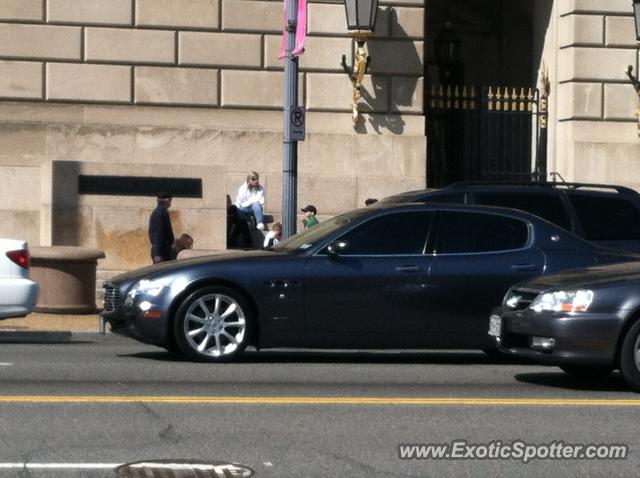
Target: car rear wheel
x=586, y=372
x=213, y=325
x=630, y=357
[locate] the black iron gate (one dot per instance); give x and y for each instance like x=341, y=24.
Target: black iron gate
x=485, y=133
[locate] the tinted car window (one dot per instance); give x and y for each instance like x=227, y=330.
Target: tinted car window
x=546, y=206
x=395, y=233
x=464, y=232
x=606, y=218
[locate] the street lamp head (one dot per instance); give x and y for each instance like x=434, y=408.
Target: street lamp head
x=361, y=14
x=636, y=14
x=447, y=49
x=447, y=46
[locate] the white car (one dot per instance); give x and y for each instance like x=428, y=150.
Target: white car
x=18, y=293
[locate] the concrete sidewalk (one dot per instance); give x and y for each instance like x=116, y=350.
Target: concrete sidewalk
x=48, y=325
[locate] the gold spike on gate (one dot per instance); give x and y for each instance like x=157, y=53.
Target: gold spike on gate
x=507, y=99
x=440, y=97
x=498, y=100
x=514, y=99
x=530, y=100
x=456, y=98
x=472, y=96
x=521, y=100
x=448, y=102
x=464, y=98
x=490, y=97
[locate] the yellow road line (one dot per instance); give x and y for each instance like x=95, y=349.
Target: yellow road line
x=301, y=400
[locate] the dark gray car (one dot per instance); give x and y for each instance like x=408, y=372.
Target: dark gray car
x=605, y=214
x=587, y=321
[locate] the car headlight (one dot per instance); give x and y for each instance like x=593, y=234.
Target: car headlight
x=149, y=287
x=563, y=301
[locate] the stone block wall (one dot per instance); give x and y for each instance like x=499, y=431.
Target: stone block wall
x=193, y=88
x=213, y=53
x=597, y=135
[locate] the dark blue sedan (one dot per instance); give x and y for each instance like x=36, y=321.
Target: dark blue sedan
x=397, y=276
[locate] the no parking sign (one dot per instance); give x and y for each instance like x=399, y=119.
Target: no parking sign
x=297, y=123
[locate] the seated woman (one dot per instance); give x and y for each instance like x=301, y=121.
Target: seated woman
x=250, y=200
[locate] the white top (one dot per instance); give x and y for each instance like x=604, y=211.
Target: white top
x=270, y=235
x=248, y=197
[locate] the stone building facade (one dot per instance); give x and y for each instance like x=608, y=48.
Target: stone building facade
x=194, y=89
x=595, y=135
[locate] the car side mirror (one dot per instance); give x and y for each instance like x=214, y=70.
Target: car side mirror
x=336, y=248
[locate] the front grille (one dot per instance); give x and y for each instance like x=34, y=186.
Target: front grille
x=111, y=298
x=519, y=299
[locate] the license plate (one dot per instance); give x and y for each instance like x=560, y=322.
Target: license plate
x=495, y=325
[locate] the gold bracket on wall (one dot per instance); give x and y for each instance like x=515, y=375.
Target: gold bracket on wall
x=357, y=72
x=545, y=89
x=636, y=85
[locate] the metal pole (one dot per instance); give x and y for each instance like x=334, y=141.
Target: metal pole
x=290, y=147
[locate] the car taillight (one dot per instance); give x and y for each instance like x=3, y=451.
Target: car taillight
x=20, y=257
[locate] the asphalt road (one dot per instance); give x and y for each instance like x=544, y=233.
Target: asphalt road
x=78, y=409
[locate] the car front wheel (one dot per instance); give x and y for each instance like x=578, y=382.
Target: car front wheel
x=630, y=357
x=213, y=325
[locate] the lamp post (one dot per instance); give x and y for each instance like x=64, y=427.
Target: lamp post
x=361, y=19
x=290, y=145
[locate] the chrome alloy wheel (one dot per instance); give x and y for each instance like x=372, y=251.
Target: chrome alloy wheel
x=215, y=325
x=636, y=353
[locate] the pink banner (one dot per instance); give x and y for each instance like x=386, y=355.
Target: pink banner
x=301, y=30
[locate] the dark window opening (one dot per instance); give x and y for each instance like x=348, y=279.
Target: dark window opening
x=139, y=186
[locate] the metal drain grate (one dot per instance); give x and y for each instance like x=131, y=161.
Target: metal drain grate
x=183, y=469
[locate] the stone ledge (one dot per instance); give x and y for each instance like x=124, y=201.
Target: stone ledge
x=66, y=253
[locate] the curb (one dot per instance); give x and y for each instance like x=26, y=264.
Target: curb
x=34, y=336
x=43, y=336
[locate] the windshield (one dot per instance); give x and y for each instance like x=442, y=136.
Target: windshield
x=310, y=237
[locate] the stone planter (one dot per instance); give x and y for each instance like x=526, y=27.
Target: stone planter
x=67, y=278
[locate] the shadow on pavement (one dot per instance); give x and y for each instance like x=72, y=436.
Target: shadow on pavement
x=612, y=382
x=467, y=357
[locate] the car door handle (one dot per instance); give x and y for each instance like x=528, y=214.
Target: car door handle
x=524, y=267
x=407, y=269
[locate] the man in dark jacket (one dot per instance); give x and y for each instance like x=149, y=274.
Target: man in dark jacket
x=160, y=230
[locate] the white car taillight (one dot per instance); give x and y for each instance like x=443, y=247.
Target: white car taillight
x=20, y=257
